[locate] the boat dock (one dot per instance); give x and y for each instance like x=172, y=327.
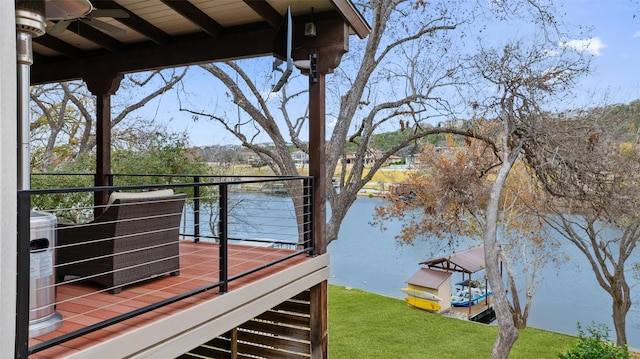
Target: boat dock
x=478, y=310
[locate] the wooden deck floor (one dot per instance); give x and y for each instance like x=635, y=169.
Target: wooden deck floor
x=82, y=305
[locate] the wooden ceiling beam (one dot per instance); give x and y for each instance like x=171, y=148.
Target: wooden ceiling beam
x=135, y=22
x=268, y=13
x=186, y=50
x=353, y=17
x=195, y=15
x=182, y=52
x=96, y=36
x=59, y=46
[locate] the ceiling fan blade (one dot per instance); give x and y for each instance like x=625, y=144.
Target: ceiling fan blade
x=59, y=27
x=66, y=9
x=108, y=28
x=115, y=13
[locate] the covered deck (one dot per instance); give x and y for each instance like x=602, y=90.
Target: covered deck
x=165, y=314
x=83, y=305
x=203, y=315
x=241, y=251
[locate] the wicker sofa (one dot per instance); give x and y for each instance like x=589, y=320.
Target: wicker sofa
x=136, y=238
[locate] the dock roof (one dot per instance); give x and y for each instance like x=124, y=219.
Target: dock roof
x=468, y=261
x=428, y=278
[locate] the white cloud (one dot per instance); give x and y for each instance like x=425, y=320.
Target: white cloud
x=637, y=34
x=592, y=45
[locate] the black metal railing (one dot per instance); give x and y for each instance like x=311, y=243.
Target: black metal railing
x=273, y=212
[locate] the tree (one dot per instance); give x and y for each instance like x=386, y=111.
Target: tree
x=161, y=152
x=590, y=173
x=525, y=78
x=409, y=42
x=595, y=346
x=409, y=69
x=65, y=112
x=447, y=199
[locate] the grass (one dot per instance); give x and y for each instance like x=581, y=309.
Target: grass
x=366, y=325
x=390, y=176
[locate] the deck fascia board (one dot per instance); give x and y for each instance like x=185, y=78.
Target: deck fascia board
x=174, y=335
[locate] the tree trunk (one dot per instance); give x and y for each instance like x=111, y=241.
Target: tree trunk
x=620, y=291
x=519, y=320
x=507, y=332
x=620, y=294
x=620, y=309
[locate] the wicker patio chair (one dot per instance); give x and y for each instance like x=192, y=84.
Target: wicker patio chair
x=133, y=240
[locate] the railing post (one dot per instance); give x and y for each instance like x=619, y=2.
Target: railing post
x=308, y=214
x=196, y=209
x=24, y=275
x=224, y=250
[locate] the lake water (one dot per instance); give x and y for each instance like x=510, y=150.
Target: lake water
x=363, y=257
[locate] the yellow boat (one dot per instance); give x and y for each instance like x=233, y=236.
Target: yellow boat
x=425, y=304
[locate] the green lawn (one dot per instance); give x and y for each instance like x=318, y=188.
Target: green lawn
x=366, y=325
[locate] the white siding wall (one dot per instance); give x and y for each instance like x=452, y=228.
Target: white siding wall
x=8, y=177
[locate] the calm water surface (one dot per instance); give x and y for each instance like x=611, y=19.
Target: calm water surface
x=364, y=257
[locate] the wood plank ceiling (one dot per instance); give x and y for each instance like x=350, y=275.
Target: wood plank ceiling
x=168, y=33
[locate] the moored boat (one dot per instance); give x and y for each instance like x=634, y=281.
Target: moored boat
x=421, y=294
x=421, y=303
x=464, y=298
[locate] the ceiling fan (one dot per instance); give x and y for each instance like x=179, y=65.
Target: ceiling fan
x=91, y=20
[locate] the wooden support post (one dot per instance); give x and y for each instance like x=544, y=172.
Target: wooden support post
x=317, y=159
x=103, y=86
x=319, y=323
x=325, y=52
x=103, y=144
x=234, y=343
x=470, y=295
x=317, y=169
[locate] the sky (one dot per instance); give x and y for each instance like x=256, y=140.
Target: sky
x=611, y=38
x=614, y=44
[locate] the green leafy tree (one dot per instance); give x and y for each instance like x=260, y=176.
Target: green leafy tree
x=75, y=206
x=162, y=153
x=595, y=345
